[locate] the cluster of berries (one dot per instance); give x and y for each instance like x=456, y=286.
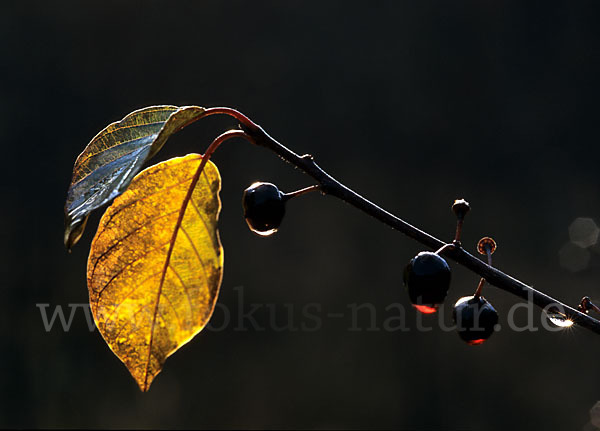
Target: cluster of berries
x=427, y=276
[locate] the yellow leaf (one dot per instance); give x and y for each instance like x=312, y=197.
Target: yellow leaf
x=156, y=264
x=115, y=155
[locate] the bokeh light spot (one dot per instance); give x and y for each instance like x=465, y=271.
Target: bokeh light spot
x=573, y=257
x=595, y=415
x=584, y=232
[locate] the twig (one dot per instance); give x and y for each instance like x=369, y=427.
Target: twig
x=330, y=186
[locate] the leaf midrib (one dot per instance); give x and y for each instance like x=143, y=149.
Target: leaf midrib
x=178, y=223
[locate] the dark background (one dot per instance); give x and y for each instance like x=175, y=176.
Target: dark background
x=412, y=104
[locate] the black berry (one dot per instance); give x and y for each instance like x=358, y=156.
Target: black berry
x=427, y=277
x=475, y=319
x=264, y=208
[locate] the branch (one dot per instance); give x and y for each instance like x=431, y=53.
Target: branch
x=331, y=186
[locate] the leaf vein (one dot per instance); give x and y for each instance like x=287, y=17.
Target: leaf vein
x=99, y=293
x=120, y=240
x=184, y=287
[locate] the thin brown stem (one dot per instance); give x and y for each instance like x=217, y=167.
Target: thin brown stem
x=488, y=252
x=219, y=140
x=221, y=110
x=445, y=247
x=301, y=192
x=459, y=225
x=331, y=186
x=477, y=293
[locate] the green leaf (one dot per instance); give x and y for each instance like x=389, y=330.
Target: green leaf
x=114, y=156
